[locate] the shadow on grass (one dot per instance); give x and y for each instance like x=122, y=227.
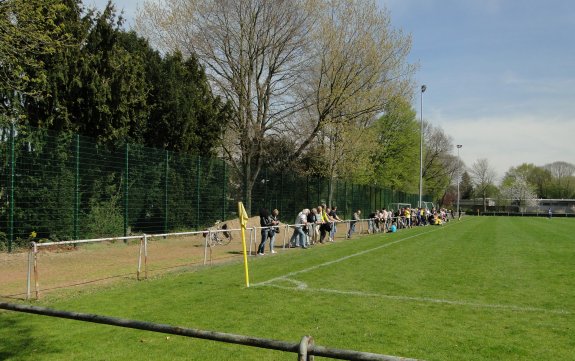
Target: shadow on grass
x=19, y=341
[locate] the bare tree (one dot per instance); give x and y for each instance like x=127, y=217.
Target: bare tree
x=253, y=51
x=562, y=178
x=483, y=176
x=439, y=163
x=302, y=67
x=358, y=65
x=560, y=169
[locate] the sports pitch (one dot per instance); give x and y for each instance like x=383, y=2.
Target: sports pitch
x=484, y=288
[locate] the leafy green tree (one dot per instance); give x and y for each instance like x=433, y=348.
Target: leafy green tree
x=562, y=184
x=517, y=188
x=186, y=116
x=111, y=101
x=96, y=88
x=29, y=30
x=397, y=147
x=541, y=180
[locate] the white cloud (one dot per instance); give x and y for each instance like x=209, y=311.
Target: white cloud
x=509, y=142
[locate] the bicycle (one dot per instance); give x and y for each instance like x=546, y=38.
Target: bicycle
x=218, y=235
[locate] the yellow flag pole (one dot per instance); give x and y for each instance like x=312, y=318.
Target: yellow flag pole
x=243, y=222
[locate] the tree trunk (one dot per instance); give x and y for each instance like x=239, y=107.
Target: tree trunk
x=247, y=186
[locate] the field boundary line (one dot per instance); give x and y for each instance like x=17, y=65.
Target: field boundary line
x=345, y=258
x=302, y=286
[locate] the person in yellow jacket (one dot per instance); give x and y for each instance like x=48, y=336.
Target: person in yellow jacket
x=325, y=226
x=407, y=214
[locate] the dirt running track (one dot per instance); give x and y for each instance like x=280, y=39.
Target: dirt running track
x=109, y=261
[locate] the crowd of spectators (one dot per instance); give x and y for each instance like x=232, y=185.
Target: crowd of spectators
x=391, y=221
x=319, y=224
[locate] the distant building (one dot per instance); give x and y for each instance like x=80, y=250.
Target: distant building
x=557, y=206
x=476, y=202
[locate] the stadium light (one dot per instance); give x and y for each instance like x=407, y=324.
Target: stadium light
x=423, y=88
x=458, y=179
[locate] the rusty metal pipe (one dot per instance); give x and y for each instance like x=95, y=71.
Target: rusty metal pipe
x=207, y=335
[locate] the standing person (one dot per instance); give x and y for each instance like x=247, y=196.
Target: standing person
x=265, y=223
x=311, y=222
x=274, y=230
x=299, y=237
x=325, y=224
x=334, y=218
x=407, y=214
x=371, y=222
x=356, y=217
x=386, y=218
x=549, y=213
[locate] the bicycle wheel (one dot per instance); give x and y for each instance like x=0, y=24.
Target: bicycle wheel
x=213, y=239
x=226, y=238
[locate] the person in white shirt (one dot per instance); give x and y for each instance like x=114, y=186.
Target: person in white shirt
x=299, y=238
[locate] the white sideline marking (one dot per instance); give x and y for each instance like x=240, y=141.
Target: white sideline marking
x=301, y=286
x=340, y=259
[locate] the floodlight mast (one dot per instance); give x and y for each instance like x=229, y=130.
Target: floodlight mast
x=458, y=179
x=423, y=88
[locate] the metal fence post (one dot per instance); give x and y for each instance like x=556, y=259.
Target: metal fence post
x=144, y=251
x=36, y=275
x=208, y=237
x=281, y=190
x=126, y=180
x=319, y=190
x=266, y=181
x=224, y=192
x=198, y=164
x=30, y=269
x=77, y=190
x=12, y=171
x=307, y=189
x=166, y=193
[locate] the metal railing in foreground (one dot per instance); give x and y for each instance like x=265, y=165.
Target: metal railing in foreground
x=306, y=349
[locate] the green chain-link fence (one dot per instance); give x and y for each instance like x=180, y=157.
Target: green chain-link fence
x=62, y=186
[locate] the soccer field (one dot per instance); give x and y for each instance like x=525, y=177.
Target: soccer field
x=484, y=288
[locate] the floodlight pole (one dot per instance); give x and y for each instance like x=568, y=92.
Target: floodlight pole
x=458, y=179
x=423, y=87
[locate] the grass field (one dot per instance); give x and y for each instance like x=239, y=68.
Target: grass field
x=484, y=288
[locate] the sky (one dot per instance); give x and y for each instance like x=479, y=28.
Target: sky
x=500, y=74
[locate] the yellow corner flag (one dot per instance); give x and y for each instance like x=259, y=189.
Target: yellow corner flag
x=243, y=222
x=243, y=215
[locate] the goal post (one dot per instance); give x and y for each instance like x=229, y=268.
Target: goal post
x=398, y=206
x=428, y=205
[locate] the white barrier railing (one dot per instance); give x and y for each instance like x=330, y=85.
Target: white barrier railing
x=33, y=270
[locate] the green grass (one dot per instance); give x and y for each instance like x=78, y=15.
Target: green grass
x=488, y=288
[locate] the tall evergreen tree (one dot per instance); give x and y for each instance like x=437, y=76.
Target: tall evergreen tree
x=96, y=88
x=186, y=116
x=466, y=186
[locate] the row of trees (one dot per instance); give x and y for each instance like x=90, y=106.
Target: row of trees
x=521, y=184
x=81, y=73
x=308, y=81
x=321, y=88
